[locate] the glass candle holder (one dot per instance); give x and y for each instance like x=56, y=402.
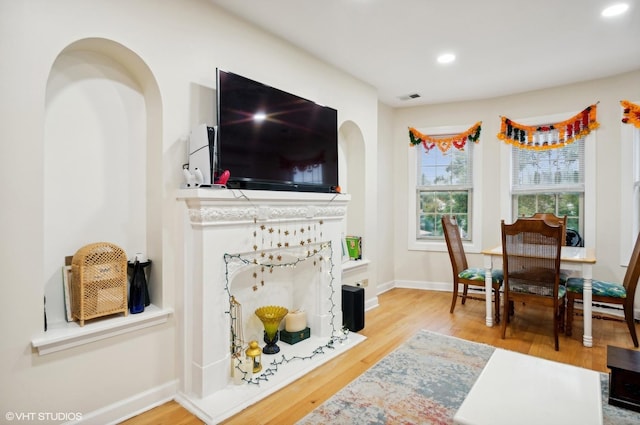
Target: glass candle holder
x=271, y=316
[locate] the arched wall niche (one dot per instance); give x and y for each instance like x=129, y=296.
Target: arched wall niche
x=351, y=174
x=102, y=160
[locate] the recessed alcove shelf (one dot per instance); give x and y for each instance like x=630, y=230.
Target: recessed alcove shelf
x=62, y=336
x=353, y=266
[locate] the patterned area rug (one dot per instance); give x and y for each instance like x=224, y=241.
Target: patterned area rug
x=424, y=381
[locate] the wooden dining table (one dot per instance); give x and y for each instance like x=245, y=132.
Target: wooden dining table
x=572, y=259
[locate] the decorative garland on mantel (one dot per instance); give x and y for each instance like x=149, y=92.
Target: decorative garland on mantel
x=444, y=143
x=551, y=136
x=631, y=113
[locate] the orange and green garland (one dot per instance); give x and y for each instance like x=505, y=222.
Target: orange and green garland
x=445, y=143
x=631, y=113
x=551, y=136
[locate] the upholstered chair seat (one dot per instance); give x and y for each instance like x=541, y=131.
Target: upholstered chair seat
x=478, y=274
x=610, y=292
x=600, y=288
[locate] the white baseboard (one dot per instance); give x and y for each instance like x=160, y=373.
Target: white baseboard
x=132, y=406
x=371, y=303
x=430, y=286
x=384, y=287
x=185, y=401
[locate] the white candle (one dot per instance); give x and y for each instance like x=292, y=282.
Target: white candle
x=295, y=321
x=236, y=371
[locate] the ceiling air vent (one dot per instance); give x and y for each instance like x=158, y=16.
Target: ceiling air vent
x=409, y=96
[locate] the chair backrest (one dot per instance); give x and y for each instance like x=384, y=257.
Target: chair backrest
x=554, y=219
x=454, y=244
x=531, y=256
x=632, y=275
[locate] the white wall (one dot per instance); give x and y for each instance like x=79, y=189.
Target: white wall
x=434, y=267
x=388, y=191
x=182, y=43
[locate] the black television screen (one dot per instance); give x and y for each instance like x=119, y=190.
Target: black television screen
x=273, y=140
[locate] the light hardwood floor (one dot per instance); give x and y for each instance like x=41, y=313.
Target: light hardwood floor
x=402, y=312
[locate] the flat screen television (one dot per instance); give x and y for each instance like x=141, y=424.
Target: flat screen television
x=269, y=139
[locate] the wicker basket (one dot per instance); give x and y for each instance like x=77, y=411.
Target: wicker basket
x=98, y=281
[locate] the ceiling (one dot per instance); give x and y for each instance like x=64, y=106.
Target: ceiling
x=502, y=46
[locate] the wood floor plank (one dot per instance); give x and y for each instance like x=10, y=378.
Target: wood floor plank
x=402, y=312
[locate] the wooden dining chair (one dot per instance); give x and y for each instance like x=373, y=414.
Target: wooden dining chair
x=558, y=221
x=531, y=265
x=462, y=273
x=610, y=292
x=553, y=219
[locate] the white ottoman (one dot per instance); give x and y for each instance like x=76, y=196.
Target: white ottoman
x=515, y=388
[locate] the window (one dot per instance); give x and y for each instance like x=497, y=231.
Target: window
x=635, y=221
x=561, y=181
x=634, y=140
x=550, y=181
x=444, y=183
x=443, y=186
x=630, y=190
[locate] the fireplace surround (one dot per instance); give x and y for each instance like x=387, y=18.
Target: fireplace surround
x=262, y=248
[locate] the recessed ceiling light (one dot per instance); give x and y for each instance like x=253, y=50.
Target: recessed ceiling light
x=446, y=58
x=615, y=10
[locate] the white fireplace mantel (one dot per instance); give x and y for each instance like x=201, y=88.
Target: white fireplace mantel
x=221, y=222
x=214, y=207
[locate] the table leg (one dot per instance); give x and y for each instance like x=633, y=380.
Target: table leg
x=587, y=291
x=488, y=265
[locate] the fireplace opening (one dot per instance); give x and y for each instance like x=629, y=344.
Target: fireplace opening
x=299, y=278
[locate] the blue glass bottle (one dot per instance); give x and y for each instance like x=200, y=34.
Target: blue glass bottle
x=137, y=289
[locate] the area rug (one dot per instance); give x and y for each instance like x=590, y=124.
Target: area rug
x=424, y=381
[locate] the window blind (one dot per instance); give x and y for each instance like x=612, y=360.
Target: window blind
x=551, y=170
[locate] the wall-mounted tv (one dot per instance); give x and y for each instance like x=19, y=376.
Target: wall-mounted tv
x=269, y=139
